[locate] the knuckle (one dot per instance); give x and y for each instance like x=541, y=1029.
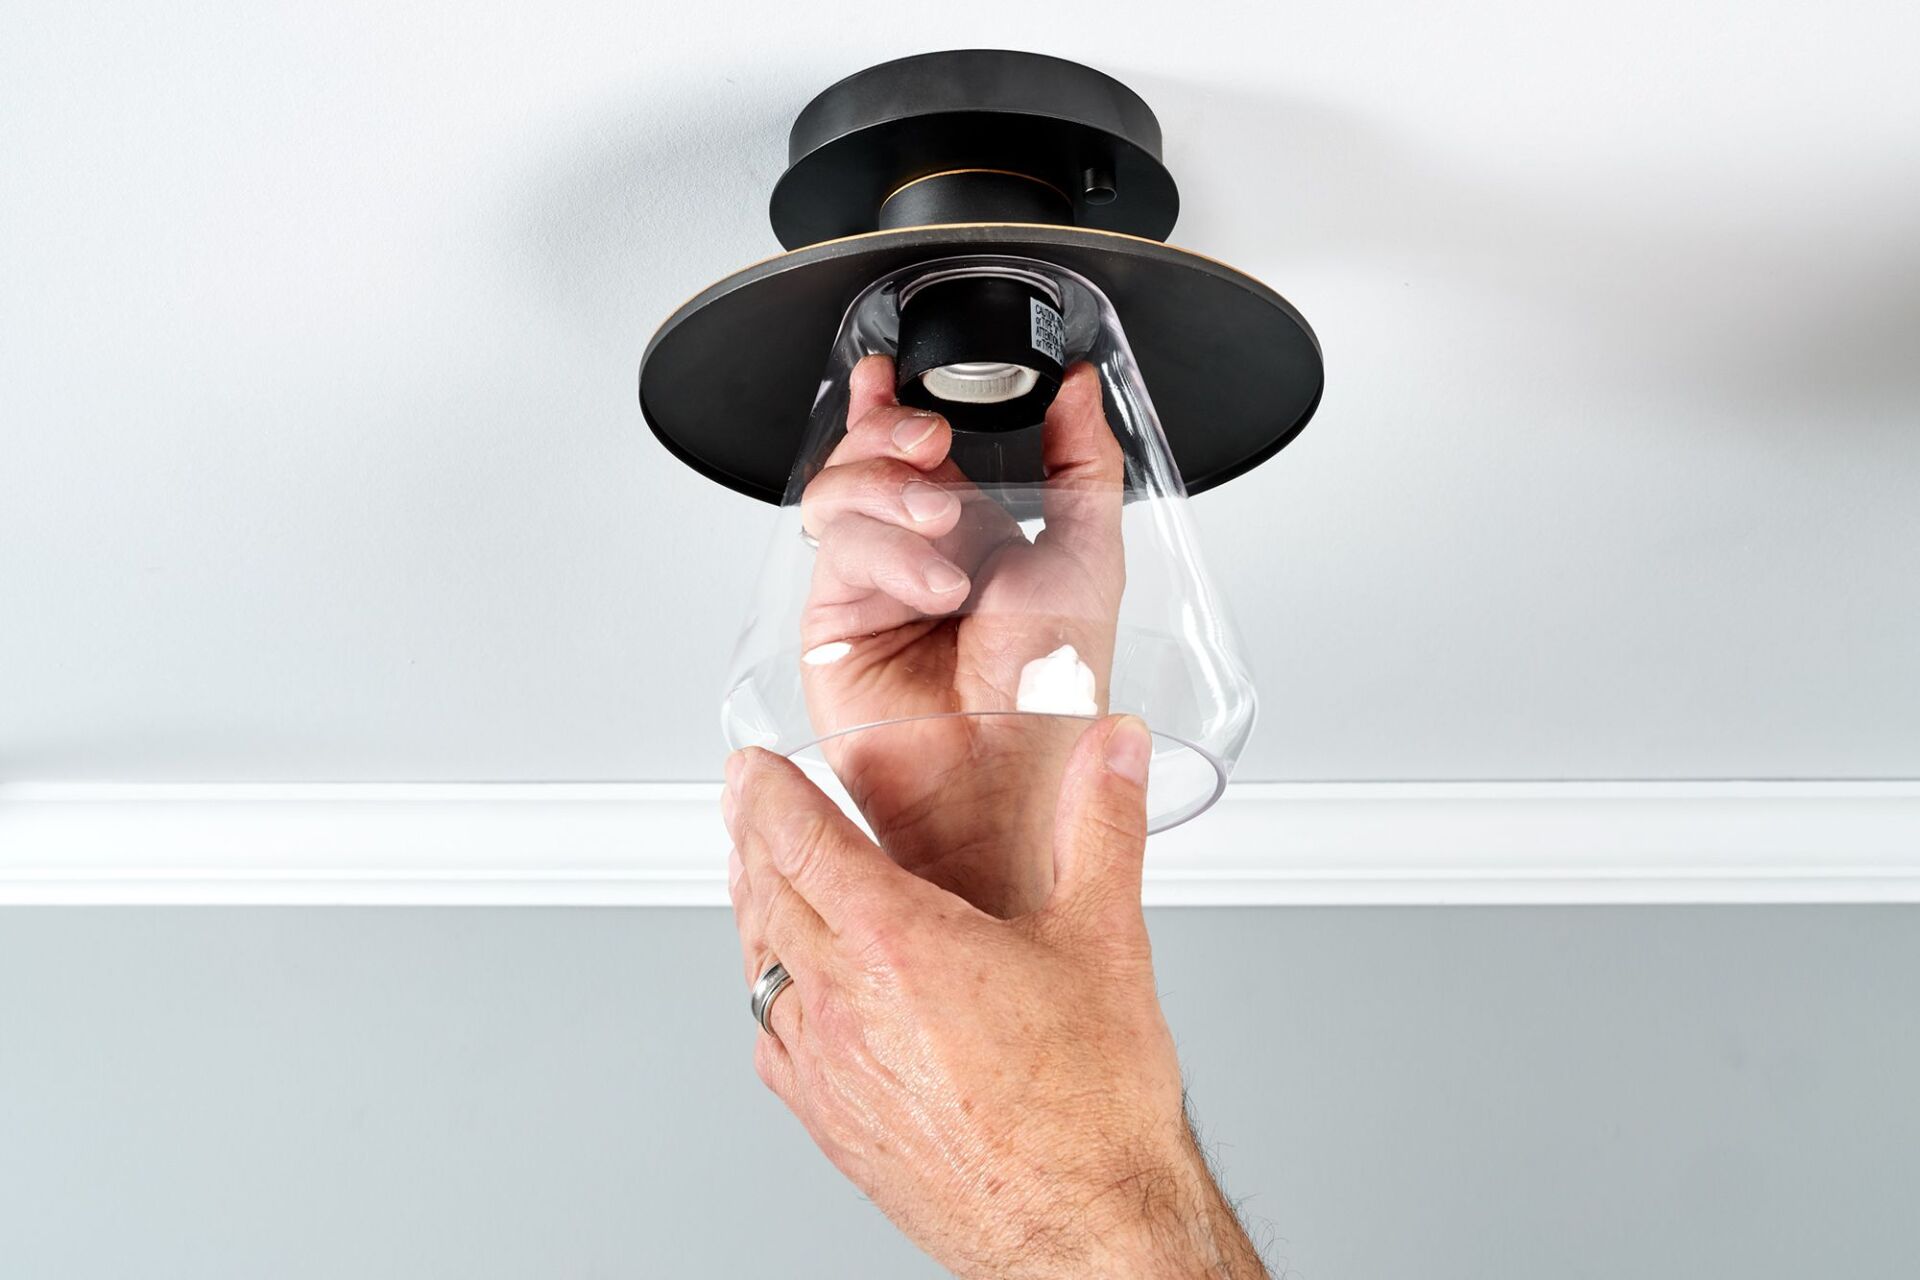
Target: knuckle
x=1118, y=827
x=885, y=947
x=779, y=909
x=828, y=1018
x=883, y=419
x=874, y=487
x=805, y=848
x=833, y=491
x=875, y=474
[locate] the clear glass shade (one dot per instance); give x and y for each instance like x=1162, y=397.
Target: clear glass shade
x=949, y=601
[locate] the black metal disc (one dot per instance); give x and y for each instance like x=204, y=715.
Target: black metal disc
x=729, y=380
x=1075, y=129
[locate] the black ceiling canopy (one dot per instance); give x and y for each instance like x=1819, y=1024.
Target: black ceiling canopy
x=977, y=152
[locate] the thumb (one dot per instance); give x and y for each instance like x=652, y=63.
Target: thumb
x=1086, y=470
x=1100, y=826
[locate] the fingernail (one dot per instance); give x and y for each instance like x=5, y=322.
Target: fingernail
x=943, y=577
x=734, y=867
x=926, y=502
x=1130, y=750
x=911, y=431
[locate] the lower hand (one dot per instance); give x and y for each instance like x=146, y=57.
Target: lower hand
x=1005, y=1090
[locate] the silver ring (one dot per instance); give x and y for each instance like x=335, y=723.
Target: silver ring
x=775, y=980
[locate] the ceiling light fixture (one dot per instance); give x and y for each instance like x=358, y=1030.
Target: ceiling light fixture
x=989, y=220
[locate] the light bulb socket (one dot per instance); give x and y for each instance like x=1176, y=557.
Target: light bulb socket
x=975, y=321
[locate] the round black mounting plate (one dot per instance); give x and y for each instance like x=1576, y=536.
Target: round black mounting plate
x=729, y=381
x=1075, y=129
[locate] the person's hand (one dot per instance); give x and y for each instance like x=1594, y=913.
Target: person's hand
x=1005, y=1090
x=928, y=600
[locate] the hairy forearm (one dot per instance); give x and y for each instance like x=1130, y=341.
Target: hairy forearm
x=1164, y=1219
x=1183, y=1227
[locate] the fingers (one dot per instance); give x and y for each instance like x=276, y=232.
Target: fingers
x=891, y=469
x=877, y=427
x=1078, y=444
x=775, y=919
x=746, y=921
x=1086, y=471
x=794, y=842
x=1100, y=825
x=876, y=510
x=773, y=1063
x=883, y=489
x=788, y=1016
x=787, y=1012
x=880, y=428
x=871, y=576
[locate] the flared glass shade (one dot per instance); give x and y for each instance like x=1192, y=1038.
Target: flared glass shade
x=950, y=600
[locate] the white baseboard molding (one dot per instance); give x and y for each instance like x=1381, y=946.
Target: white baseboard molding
x=661, y=844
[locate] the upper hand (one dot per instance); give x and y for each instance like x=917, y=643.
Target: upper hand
x=941, y=599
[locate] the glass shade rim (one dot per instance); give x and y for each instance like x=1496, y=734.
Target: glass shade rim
x=1175, y=817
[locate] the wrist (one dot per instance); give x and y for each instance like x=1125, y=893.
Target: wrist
x=1175, y=1222
x=1163, y=1218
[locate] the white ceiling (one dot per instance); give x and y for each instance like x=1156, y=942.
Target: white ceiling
x=319, y=328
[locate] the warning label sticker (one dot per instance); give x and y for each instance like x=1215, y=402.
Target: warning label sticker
x=1049, y=331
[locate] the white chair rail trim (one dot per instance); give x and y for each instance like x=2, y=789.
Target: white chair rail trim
x=661, y=844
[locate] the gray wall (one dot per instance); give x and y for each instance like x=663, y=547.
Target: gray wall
x=1396, y=1093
